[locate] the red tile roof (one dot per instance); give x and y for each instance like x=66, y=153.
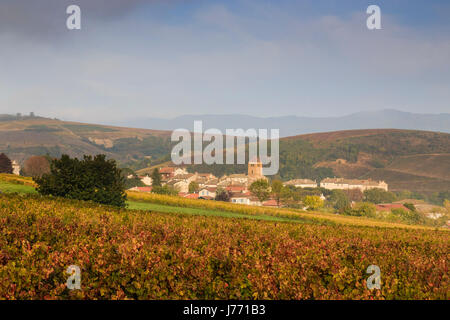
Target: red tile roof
x=144, y=189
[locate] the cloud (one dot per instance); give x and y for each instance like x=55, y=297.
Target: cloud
x=46, y=19
x=264, y=60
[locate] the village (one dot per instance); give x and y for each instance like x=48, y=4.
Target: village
x=238, y=185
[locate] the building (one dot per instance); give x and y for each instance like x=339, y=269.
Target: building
x=16, y=168
x=207, y=193
x=169, y=172
x=346, y=184
x=141, y=189
x=301, y=183
x=255, y=169
x=146, y=180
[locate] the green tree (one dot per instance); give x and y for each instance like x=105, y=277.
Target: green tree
x=261, y=189
x=5, y=164
x=193, y=187
x=95, y=179
x=156, y=178
x=339, y=200
x=365, y=209
x=164, y=190
x=277, y=189
x=313, y=202
x=379, y=196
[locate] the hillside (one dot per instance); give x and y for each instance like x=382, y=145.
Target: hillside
x=22, y=138
x=405, y=159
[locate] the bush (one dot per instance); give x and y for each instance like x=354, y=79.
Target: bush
x=313, y=202
x=164, y=190
x=365, y=209
x=95, y=179
x=379, y=196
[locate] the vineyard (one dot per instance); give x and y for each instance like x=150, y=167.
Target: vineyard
x=130, y=254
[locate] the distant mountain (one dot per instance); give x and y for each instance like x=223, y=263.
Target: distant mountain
x=295, y=125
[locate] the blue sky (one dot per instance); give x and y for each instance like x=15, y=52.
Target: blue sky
x=137, y=58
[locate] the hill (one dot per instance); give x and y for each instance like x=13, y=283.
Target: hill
x=405, y=159
x=23, y=137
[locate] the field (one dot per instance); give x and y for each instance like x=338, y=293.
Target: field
x=129, y=254
x=11, y=183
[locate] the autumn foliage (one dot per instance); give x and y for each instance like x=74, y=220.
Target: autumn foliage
x=127, y=254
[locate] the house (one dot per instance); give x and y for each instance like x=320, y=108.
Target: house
x=346, y=184
x=141, y=189
x=15, y=167
x=301, y=183
x=146, y=180
x=245, y=198
x=207, y=192
x=240, y=199
x=191, y=196
x=179, y=185
x=270, y=203
x=233, y=179
x=169, y=172
x=236, y=189
x=210, y=183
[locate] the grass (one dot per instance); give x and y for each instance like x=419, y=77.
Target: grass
x=8, y=187
x=10, y=183
x=146, y=206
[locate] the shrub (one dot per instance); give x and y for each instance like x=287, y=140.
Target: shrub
x=313, y=202
x=366, y=209
x=95, y=179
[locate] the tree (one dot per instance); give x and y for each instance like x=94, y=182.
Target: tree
x=260, y=188
x=156, y=178
x=5, y=164
x=447, y=205
x=277, y=189
x=379, y=196
x=354, y=195
x=339, y=200
x=193, y=187
x=36, y=166
x=313, y=202
x=164, y=190
x=95, y=179
x=366, y=209
x=222, y=195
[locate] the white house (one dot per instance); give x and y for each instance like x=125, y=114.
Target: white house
x=16, y=167
x=208, y=192
x=301, y=183
x=346, y=184
x=147, y=180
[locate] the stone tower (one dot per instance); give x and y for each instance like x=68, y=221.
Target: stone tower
x=255, y=169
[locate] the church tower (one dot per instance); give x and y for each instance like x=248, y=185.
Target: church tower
x=255, y=169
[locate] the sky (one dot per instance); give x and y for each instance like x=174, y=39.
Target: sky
x=143, y=59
